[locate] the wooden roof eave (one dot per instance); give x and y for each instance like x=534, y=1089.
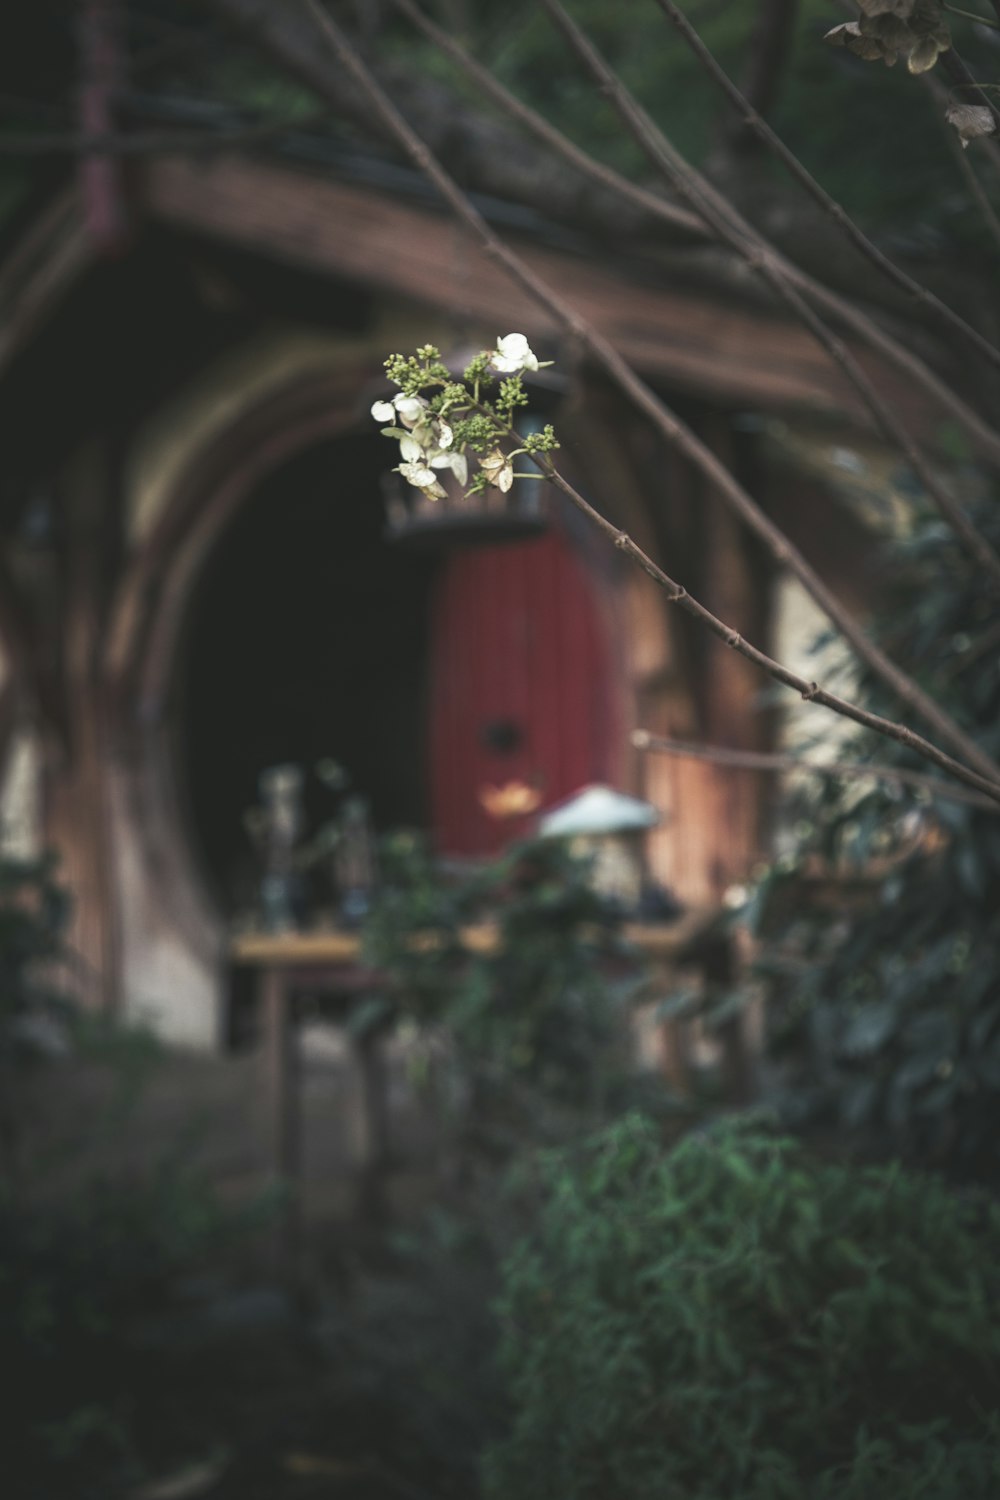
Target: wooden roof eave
x=675, y=333
x=703, y=345
x=48, y=259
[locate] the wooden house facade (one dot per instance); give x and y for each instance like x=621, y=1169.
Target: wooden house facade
x=198, y=582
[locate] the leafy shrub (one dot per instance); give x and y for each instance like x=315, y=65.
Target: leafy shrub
x=85, y=1256
x=33, y=913
x=77, y=1278
x=538, y=1008
x=734, y=1319
x=411, y=900
x=885, y=1005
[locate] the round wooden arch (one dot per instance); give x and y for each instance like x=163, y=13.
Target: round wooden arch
x=152, y=602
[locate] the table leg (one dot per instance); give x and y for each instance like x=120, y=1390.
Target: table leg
x=281, y=1062
x=375, y=1106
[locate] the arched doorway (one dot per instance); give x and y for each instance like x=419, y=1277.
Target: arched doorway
x=305, y=640
x=264, y=567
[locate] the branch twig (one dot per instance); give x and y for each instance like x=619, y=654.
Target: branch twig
x=939, y=94
x=963, y=80
x=677, y=434
x=985, y=438
x=770, y=47
x=759, y=760
x=812, y=692
x=758, y=256
x=899, y=278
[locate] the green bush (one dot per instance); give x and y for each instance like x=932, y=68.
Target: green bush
x=735, y=1319
x=77, y=1280
x=884, y=1010
x=541, y=1008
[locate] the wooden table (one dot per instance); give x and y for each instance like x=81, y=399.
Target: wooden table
x=332, y=960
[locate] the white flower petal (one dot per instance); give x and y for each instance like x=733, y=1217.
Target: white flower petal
x=422, y=479
x=498, y=469
x=513, y=353
x=445, y=435
x=460, y=467
x=384, y=411
x=410, y=449
x=417, y=475
x=411, y=408
x=513, y=346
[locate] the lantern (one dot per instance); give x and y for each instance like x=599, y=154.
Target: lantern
x=607, y=828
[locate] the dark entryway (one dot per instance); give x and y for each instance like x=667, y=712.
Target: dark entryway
x=307, y=639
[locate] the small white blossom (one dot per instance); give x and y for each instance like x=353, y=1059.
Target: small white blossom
x=498, y=469
x=971, y=121
x=412, y=409
x=513, y=354
x=428, y=443
x=456, y=462
x=384, y=411
x=411, y=449
x=422, y=478
x=735, y=896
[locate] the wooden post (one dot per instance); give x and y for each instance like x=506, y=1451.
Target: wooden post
x=375, y=1106
x=100, y=171
x=281, y=1065
x=77, y=809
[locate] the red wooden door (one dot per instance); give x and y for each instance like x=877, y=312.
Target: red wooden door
x=521, y=688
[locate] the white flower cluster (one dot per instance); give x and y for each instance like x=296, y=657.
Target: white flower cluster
x=426, y=441
x=512, y=355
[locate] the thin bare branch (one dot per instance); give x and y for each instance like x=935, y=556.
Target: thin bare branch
x=539, y=126
x=941, y=99
x=684, y=180
x=812, y=692
x=984, y=437
x=770, y=48
x=945, y=315
x=834, y=770
x=970, y=90
x=675, y=432
x=976, y=190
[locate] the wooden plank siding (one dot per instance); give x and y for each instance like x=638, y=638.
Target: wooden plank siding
x=517, y=640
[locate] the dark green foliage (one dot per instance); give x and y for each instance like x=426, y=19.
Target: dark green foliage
x=410, y=900
x=735, y=1319
x=869, y=134
x=83, y=1257
x=75, y=1278
x=887, y=1011
x=33, y=913
x=539, y=1008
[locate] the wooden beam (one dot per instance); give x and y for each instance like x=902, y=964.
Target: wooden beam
x=48, y=259
x=271, y=950
x=667, y=329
